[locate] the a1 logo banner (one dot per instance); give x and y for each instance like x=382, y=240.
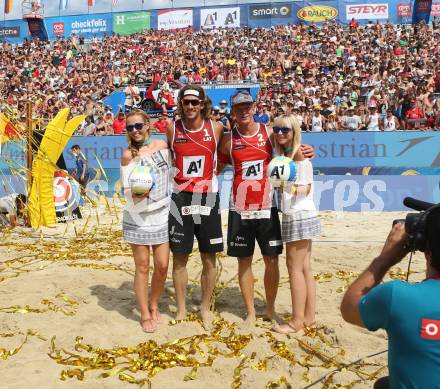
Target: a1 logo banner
x=67, y=197
x=220, y=17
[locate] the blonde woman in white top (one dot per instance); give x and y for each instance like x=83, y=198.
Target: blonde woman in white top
x=300, y=223
x=145, y=217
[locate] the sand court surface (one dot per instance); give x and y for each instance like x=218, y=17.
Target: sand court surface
x=67, y=299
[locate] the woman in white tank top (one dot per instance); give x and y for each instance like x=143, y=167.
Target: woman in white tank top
x=389, y=122
x=373, y=120
x=317, y=124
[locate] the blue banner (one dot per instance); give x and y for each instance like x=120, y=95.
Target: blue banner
x=88, y=26
x=13, y=31
x=411, y=149
x=331, y=193
x=421, y=11
x=398, y=151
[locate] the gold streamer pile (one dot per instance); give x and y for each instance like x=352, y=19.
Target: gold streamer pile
x=150, y=357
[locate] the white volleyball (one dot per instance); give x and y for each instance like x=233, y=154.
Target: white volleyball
x=281, y=170
x=141, y=180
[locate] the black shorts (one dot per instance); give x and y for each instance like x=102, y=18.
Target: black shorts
x=242, y=234
x=195, y=214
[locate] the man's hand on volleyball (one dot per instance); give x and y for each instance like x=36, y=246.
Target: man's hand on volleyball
x=308, y=151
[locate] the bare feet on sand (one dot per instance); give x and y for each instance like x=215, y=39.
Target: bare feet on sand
x=289, y=327
x=148, y=325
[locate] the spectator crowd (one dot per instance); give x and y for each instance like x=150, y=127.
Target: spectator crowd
x=331, y=77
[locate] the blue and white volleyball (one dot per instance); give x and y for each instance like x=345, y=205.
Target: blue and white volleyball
x=281, y=171
x=141, y=180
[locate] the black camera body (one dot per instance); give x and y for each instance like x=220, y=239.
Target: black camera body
x=415, y=223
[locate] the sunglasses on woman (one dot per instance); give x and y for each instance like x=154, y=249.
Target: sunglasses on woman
x=194, y=103
x=136, y=126
x=283, y=130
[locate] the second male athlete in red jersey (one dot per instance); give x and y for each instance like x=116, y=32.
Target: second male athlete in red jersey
x=250, y=155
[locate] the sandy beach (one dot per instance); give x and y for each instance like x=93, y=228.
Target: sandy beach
x=75, y=280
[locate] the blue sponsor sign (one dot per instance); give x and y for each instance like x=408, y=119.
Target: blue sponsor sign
x=405, y=150
x=360, y=149
x=13, y=31
x=421, y=11
x=85, y=25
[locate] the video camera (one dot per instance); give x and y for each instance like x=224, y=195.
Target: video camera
x=415, y=223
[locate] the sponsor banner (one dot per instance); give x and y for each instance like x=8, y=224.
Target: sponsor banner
x=435, y=9
x=220, y=17
x=408, y=150
x=331, y=193
x=422, y=10
x=365, y=149
x=404, y=9
x=370, y=11
x=174, y=18
x=130, y=23
x=85, y=25
x=270, y=11
x=317, y=13
x=10, y=32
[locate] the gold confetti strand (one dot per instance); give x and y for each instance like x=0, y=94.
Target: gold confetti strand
x=323, y=277
x=277, y=384
x=192, y=375
x=5, y=354
x=236, y=383
x=106, y=267
x=280, y=348
x=69, y=308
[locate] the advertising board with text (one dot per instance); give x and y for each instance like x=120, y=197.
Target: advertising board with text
x=130, y=23
x=85, y=25
x=367, y=11
x=172, y=19
x=220, y=17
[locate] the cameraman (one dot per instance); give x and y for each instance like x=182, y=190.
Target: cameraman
x=408, y=312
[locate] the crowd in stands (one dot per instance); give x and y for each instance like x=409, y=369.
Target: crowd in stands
x=331, y=77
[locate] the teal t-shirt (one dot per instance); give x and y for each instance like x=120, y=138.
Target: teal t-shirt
x=410, y=314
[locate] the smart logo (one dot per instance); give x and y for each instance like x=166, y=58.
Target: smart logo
x=271, y=11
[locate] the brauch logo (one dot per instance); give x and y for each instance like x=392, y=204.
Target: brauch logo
x=430, y=329
x=193, y=166
x=252, y=170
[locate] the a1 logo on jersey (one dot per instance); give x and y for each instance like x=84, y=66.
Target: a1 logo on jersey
x=430, y=329
x=193, y=166
x=252, y=170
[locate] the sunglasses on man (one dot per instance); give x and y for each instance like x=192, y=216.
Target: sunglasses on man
x=136, y=126
x=283, y=130
x=194, y=103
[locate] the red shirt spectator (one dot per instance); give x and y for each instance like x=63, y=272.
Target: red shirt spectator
x=119, y=124
x=162, y=124
x=415, y=113
x=354, y=23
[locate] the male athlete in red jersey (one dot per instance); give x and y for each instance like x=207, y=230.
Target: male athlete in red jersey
x=195, y=199
x=252, y=214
